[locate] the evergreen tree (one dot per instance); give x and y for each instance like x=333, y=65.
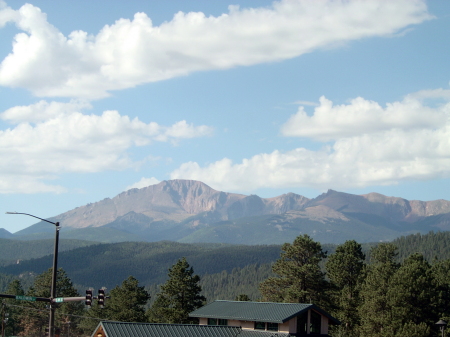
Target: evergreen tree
x=179, y=296
x=376, y=310
x=35, y=321
x=411, y=294
x=344, y=269
x=299, y=279
x=126, y=304
x=441, y=281
x=13, y=309
x=412, y=290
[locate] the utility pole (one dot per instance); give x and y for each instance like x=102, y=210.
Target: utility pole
x=51, y=321
x=4, y=318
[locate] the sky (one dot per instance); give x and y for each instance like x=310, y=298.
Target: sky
x=251, y=97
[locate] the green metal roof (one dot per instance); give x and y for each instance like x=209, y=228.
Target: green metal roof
x=251, y=311
x=256, y=311
x=121, y=329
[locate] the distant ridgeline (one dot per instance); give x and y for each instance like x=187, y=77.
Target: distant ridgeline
x=190, y=211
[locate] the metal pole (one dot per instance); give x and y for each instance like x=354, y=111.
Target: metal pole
x=3, y=319
x=51, y=321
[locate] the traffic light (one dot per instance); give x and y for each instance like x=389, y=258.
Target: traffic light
x=101, y=297
x=88, y=300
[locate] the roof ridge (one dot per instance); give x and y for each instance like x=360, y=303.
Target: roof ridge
x=177, y=324
x=261, y=302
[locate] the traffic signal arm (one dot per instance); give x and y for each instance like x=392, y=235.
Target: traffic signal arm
x=26, y=298
x=68, y=299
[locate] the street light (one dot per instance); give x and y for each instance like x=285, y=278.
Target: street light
x=51, y=321
x=441, y=324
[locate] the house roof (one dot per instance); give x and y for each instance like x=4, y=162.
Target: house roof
x=122, y=329
x=256, y=311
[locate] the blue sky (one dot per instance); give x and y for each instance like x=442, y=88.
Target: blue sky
x=252, y=97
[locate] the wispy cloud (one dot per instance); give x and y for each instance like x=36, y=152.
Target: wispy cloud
x=144, y=182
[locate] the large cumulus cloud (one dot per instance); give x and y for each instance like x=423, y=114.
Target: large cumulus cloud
x=131, y=52
x=371, y=145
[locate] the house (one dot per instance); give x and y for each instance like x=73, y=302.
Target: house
x=293, y=318
x=233, y=319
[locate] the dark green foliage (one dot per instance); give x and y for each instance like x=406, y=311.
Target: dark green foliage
x=108, y=264
x=5, y=280
x=33, y=321
x=12, y=307
x=126, y=304
x=411, y=289
x=179, y=296
x=345, y=269
x=11, y=251
x=226, y=286
x=441, y=281
x=299, y=278
x=396, y=294
x=376, y=310
x=430, y=245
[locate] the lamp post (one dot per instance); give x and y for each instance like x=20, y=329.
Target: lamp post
x=441, y=324
x=51, y=321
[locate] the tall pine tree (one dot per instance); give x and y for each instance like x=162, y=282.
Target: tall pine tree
x=411, y=294
x=126, y=303
x=13, y=309
x=376, y=310
x=299, y=279
x=179, y=296
x=35, y=321
x=345, y=269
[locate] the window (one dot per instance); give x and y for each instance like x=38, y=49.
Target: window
x=316, y=320
x=302, y=322
x=260, y=326
x=272, y=326
x=222, y=322
x=212, y=321
x=215, y=321
x=266, y=326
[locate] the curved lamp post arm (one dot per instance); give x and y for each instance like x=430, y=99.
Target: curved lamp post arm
x=54, y=223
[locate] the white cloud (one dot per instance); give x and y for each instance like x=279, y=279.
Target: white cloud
x=17, y=183
x=398, y=147
x=42, y=111
x=70, y=141
x=431, y=93
x=144, y=182
x=361, y=116
x=131, y=52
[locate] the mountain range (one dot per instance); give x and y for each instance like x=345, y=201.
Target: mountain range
x=190, y=211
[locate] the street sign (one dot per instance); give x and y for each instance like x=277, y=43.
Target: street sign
x=26, y=298
x=59, y=299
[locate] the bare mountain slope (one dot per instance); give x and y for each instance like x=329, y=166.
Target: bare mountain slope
x=174, y=200
x=191, y=211
x=392, y=208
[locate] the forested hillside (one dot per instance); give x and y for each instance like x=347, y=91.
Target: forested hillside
x=361, y=285
x=109, y=264
x=226, y=270
x=432, y=245
x=13, y=250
